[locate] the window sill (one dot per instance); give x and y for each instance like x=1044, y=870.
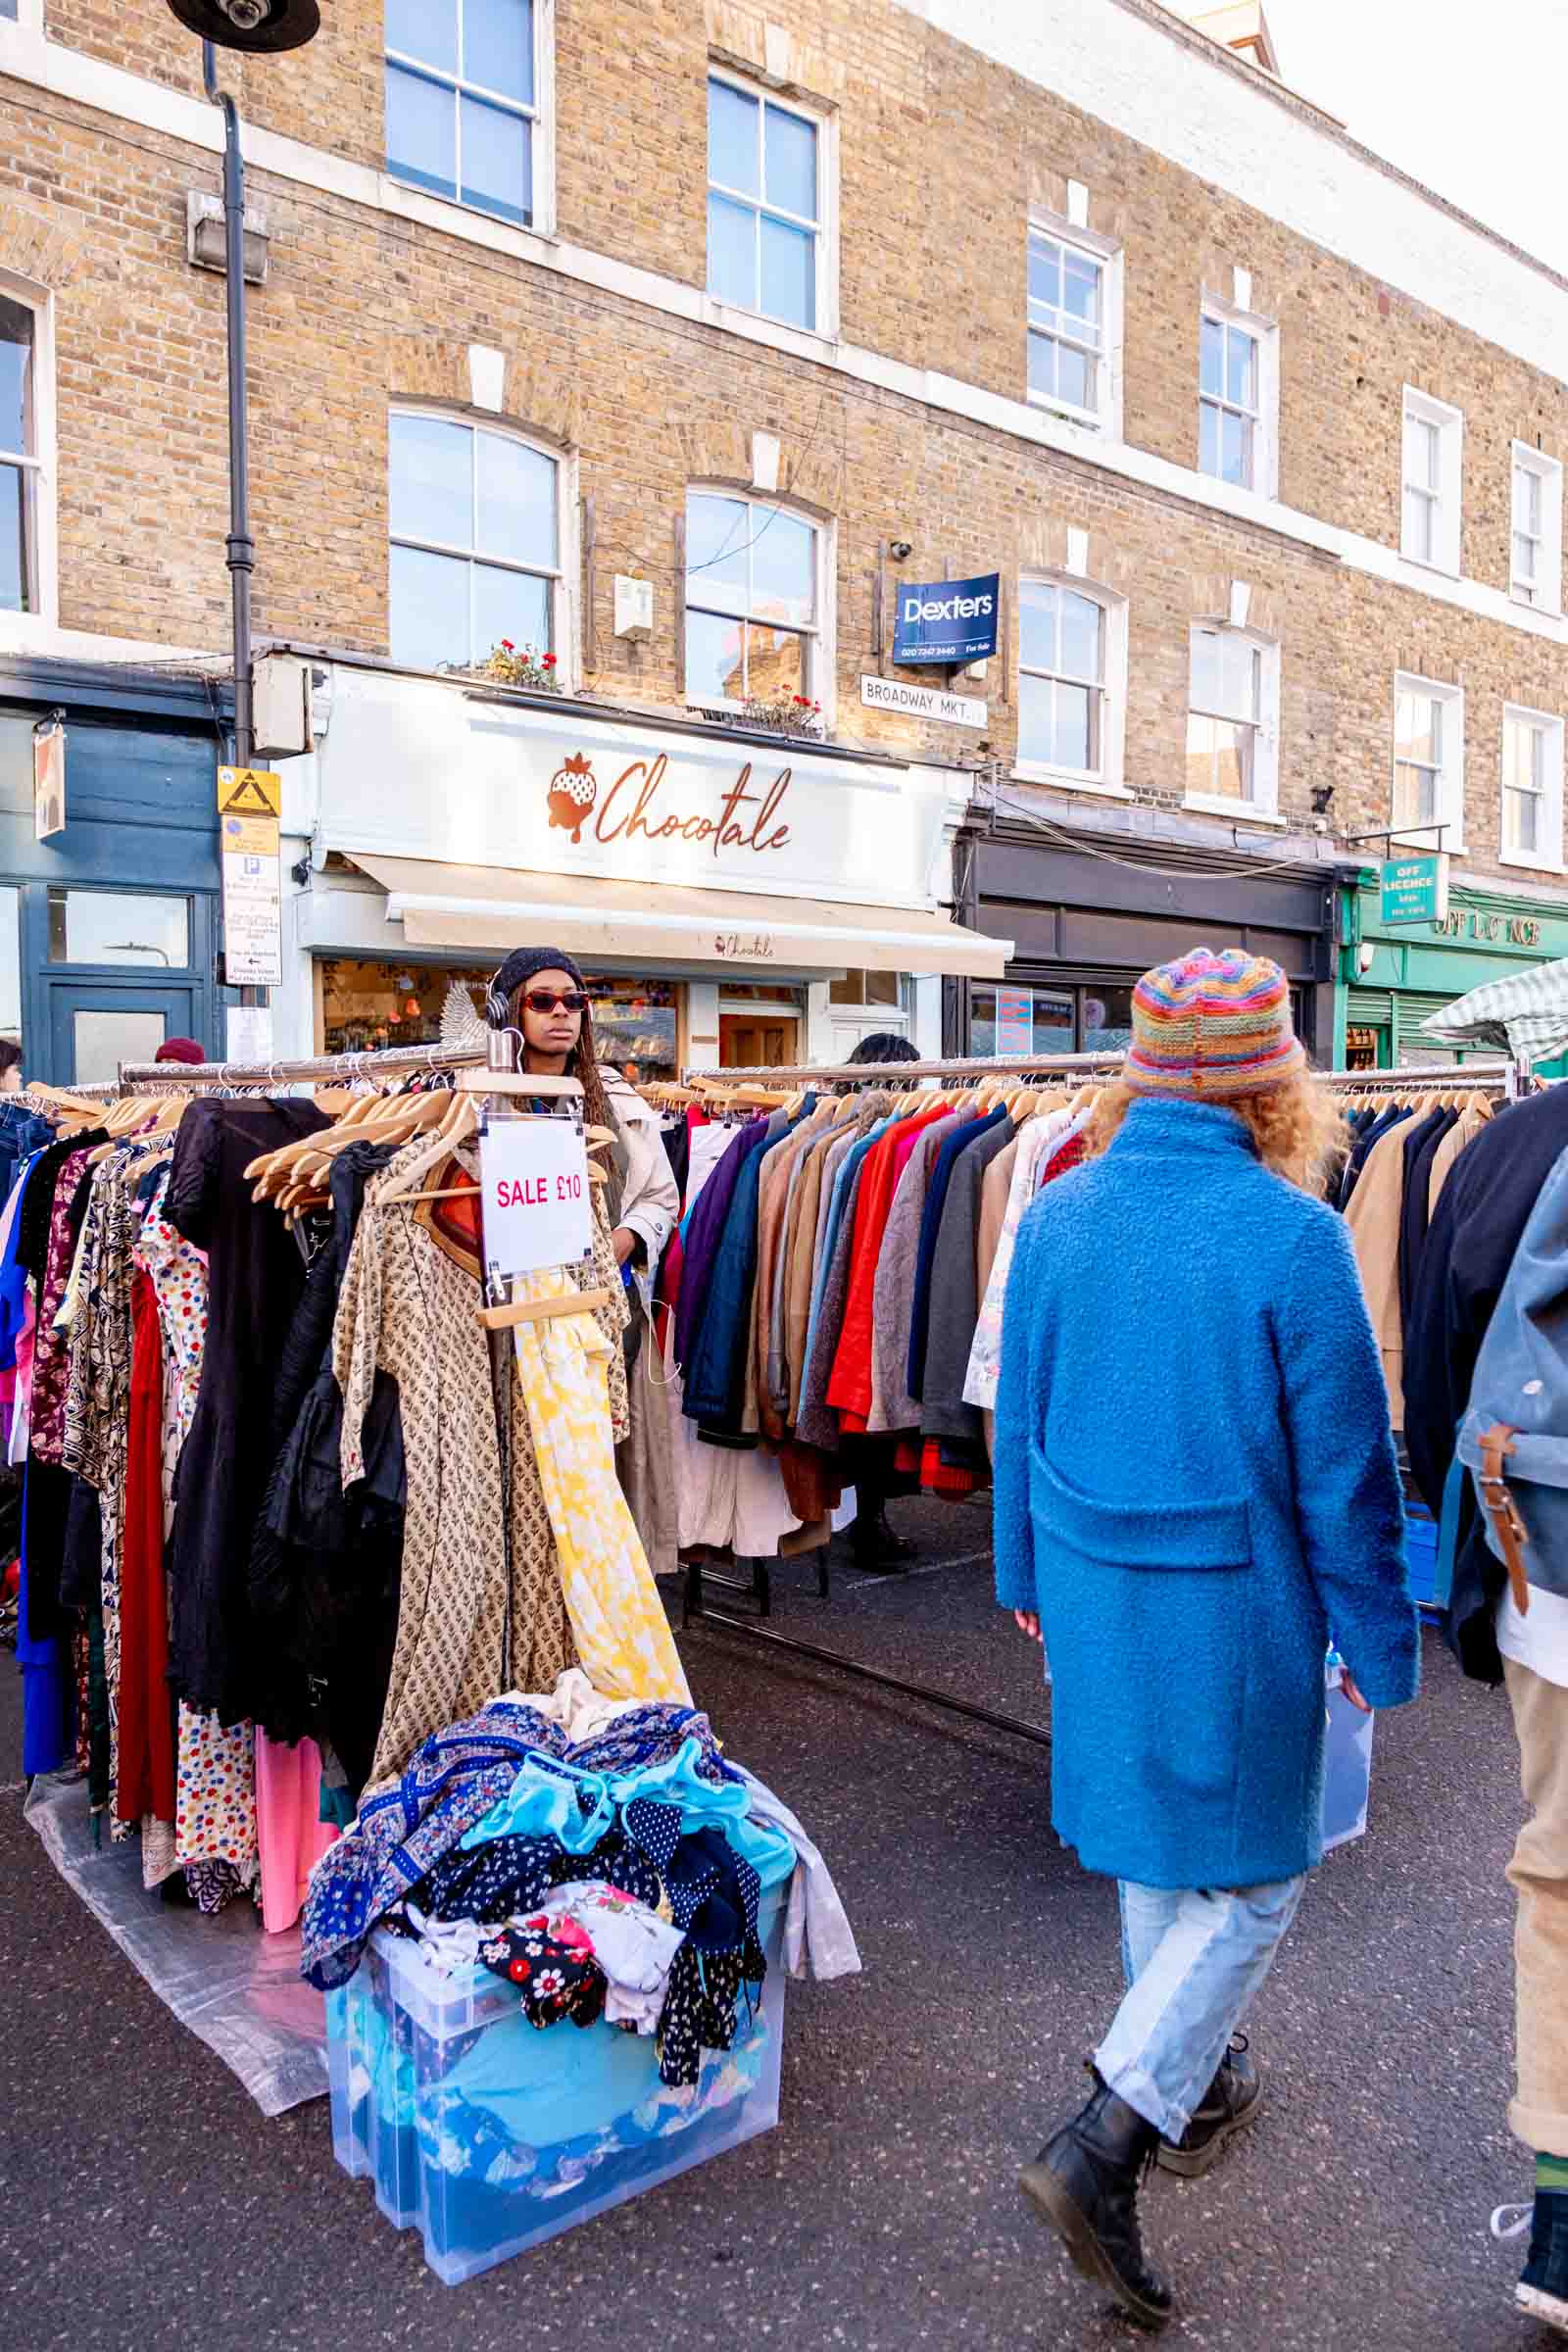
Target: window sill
x=1241, y=812
x=1087, y=420
x=1443, y=572
x=1530, y=604
x=1064, y=779
x=813, y=341
x=1531, y=866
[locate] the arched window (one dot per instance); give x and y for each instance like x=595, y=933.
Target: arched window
x=476, y=522
x=754, y=602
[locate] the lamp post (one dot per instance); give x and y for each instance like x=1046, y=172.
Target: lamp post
x=258, y=27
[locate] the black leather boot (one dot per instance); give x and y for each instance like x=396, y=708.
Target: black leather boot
x=877, y=1548
x=1229, y=2105
x=1084, y=2182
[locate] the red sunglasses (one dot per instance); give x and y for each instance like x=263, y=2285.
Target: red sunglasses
x=546, y=1000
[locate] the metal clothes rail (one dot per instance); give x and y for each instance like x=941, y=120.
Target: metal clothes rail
x=319, y=1070
x=881, y=1073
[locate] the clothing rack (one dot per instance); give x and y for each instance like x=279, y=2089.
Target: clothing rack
x=882, y=1073
x=1084, y=1069
x=319, y=1070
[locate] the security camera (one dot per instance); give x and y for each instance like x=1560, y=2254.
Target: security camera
x=900, y=550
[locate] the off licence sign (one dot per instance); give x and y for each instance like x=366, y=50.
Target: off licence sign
x=537, y=1206
x=1415, y=890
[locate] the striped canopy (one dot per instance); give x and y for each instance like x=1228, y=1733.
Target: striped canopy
x=1525, y=1015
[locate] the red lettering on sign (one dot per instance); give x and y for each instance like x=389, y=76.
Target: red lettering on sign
x=615, y=821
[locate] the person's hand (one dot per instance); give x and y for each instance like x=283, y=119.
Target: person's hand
x=1347, y=1685
x=624, y=1241
x=1027, y=1622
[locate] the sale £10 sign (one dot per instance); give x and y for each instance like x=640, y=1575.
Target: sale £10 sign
x=537, y=1206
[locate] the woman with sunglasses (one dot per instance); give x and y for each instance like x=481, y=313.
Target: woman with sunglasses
x=541, y=992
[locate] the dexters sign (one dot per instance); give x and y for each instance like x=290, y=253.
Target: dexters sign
x=947, y=620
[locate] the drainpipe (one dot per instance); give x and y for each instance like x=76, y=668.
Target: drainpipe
x=241, y=545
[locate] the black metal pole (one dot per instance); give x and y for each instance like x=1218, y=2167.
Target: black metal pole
x=241, y=545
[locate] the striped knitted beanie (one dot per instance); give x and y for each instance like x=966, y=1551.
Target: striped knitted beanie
x=1212, y=1028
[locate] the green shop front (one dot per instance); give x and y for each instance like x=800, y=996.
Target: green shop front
x=1392, y=974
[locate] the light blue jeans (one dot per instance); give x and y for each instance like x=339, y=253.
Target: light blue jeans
x=1193, y=1957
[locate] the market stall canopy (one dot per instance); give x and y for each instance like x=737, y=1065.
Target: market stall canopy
x=1525, y=1015
x=483, y=907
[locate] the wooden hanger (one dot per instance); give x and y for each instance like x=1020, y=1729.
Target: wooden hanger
x=541, y=1311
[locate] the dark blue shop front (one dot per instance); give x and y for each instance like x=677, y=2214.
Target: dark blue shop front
x=108, y=928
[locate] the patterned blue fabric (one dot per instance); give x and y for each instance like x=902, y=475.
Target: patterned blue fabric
x=458, y=1777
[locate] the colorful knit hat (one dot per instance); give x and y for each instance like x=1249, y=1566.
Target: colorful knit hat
x=1213, y=1028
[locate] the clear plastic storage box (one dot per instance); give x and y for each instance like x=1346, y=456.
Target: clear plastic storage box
x=490, y=2135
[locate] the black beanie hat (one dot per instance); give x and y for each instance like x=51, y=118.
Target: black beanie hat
x=520, y=966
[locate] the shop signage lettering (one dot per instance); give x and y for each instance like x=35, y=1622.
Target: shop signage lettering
x=629, y=809
x=1415, y=890
x=533, y=1174
x=952, y=621
x=744, y=946
x=1516, y=930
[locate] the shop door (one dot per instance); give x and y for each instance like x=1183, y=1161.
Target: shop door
x=95, y=1025
x=758, y=1041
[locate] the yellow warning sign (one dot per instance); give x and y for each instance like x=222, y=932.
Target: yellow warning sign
x=249, y=792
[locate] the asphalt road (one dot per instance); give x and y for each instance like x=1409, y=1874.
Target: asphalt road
x=146, y=2203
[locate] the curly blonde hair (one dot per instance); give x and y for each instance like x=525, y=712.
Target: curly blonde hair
x=1298, y=1129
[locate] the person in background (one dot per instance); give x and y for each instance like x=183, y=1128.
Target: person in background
x=631, y=1073
x=1196, y=1488
x=181, y=1049
x=9, y=1066
x=876, y=1545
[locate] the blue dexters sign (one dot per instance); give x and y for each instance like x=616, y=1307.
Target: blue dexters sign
x=946, y=620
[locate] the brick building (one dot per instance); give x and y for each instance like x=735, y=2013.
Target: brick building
x=675, y=343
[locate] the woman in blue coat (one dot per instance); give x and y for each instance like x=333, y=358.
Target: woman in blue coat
x=1196, y=1492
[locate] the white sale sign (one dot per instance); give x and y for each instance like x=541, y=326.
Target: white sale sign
x=537, y=1206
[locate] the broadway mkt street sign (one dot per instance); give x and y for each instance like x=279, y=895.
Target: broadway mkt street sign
x=1415, y=890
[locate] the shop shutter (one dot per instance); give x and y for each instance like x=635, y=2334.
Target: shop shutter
x=1368, y=1007
x=1412, y=1008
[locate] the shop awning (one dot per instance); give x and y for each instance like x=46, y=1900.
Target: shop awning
x=483, y=907
x=1525, y=1014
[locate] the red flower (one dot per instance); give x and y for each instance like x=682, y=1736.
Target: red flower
x=550, y=661
x=799, y=700
x=507, y=646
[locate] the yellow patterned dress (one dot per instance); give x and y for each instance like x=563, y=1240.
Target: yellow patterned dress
x=618, y=1618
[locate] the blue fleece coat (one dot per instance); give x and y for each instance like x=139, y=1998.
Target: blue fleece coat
x=1195, y=1487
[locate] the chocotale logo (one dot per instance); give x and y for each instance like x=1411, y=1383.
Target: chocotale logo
x=630, y=809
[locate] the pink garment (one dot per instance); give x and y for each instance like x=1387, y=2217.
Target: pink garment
x=289, y=1832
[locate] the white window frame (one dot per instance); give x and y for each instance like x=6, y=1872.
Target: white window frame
x=1105, y=416
x=1108, y=784
x=1449, y=422
x=1265, y=482
x=821, y=641
x=1551, y=727
x=541, y=117
x=568, y=568
x=824, y=122
x=42, y=462
x=1544, y=593
x=1263, y=804
x=1450, y=790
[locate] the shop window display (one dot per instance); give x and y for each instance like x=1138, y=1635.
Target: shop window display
x=367, y=1004
x=1096, y=1019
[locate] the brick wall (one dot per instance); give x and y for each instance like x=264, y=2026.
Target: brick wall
x=941, y=154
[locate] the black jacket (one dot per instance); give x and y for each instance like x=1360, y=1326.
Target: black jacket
x=1481, y=1217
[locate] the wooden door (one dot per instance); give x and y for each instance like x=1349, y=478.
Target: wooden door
x=758, y=1041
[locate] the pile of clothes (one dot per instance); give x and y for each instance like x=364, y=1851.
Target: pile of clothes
x=602, y=1856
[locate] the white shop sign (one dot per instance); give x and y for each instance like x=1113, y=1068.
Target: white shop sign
x=536, y=1205
x=922, y=702
x=409, y=768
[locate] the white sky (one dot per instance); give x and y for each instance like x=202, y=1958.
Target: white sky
x=1467, y=95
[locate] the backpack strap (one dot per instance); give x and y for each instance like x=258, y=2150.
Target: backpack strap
x=1497, y=1445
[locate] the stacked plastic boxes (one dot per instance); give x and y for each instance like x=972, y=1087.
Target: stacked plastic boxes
x=490, y=2135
